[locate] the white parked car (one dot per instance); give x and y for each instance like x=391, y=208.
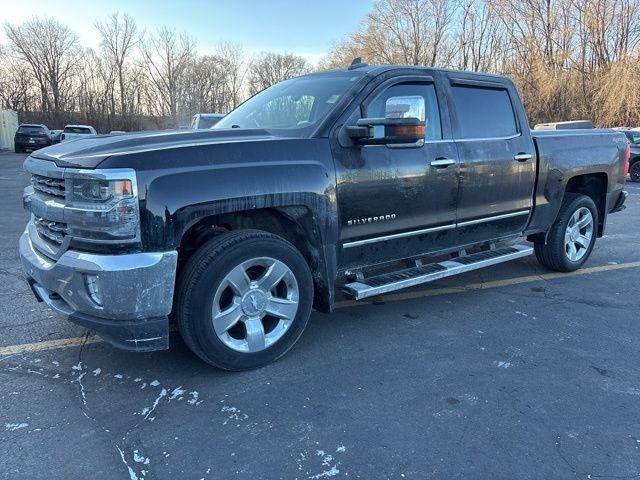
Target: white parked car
x=71, y=132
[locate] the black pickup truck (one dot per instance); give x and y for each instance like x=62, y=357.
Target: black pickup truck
x=366, y=179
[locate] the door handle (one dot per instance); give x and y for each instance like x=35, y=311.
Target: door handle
x=442, y=162
x=522, y=157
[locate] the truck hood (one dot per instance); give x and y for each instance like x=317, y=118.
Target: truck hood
x=90, y=152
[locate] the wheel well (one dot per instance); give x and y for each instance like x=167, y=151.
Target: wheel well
x=294, y=224
x=593, y=185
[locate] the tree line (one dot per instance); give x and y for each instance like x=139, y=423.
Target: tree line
x=136, y=80
x=571, y=59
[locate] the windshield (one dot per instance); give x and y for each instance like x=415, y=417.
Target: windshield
x=293, y=107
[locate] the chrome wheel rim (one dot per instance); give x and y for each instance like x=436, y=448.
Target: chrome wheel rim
x=578, y=235
x=255, y=304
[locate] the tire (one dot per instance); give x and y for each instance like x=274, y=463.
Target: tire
x=214, y=281
x=634, y=171
x=18, y=149
x=557, y=254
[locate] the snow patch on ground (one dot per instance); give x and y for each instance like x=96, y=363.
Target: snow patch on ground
x=10, y=427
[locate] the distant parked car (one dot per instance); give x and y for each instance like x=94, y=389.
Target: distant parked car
x=633, y=135
x=76, y=131
x=202, y=121
x=571, y=125
x=55, y=135
x=31, y=137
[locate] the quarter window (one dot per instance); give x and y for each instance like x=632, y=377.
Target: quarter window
x=379, y=108
x=484, y=112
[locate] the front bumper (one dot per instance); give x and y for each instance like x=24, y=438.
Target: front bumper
x=126, y=299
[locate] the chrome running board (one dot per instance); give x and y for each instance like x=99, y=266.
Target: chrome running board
x=390, y=282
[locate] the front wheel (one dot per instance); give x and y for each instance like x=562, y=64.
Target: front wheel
x=572, y=236
x=634, y=171
x=244, y=299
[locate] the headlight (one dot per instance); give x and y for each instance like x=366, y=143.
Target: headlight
x=102, y=205
x=100, y=190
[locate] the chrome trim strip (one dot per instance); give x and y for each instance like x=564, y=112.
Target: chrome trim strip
x=384, y=238
x=491, y=219
x=366, y=241
x=480, y=139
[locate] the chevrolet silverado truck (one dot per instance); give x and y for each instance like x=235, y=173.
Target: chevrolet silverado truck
x=362, y=180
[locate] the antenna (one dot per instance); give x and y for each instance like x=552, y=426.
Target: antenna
x=357, y=63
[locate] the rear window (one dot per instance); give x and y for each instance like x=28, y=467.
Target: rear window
x=76, y=130
x=208, y=122
x=31, y=130
x=634, y=137
x=484, y=112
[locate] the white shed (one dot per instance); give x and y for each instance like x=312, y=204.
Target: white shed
x=8, y=127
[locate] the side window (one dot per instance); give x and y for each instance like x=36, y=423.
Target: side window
x=381, y=107
x=484, y=112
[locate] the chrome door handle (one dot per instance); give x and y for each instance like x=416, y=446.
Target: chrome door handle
x=522, y=157
x=442, y=162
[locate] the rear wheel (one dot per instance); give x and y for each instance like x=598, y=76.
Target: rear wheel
x=572, y=237
x=244, y=299
x=634, y=171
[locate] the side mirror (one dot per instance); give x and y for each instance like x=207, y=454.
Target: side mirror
x=403, y=123
x=387, y=131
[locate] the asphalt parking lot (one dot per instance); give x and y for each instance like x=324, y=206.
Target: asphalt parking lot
x=511, y=372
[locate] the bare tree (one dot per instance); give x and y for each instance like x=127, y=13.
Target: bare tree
x=51, y=50
x=270, y=68
x=119, y=37
x=167, y=57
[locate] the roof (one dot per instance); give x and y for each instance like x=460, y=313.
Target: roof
x=78, y=126
x=32, y=125
x=378, y=69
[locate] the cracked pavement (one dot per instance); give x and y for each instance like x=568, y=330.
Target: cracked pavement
x=526, y=380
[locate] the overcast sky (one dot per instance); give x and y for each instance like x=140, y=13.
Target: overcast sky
x=303, y=27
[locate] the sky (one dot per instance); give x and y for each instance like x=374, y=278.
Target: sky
x=303, y=27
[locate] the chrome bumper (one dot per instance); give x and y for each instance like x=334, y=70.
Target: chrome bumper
x=124, y=298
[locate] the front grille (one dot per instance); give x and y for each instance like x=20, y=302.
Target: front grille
x=51, y=231
x=49, y=186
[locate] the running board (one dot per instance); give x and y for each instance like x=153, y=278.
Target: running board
x=390, y=282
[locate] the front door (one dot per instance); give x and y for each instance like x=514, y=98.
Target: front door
x=398, y=201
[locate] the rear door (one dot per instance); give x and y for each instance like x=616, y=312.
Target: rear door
x=398, y=201
x=497, y=159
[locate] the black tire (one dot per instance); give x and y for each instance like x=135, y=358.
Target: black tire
x=634, y=171
x=205, y=271
x=553, y=254
x=18, y=149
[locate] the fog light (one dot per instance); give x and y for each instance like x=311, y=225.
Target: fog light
x=93, y=289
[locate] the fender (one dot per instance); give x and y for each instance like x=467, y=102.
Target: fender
x=186, y=186
x=565, y=155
